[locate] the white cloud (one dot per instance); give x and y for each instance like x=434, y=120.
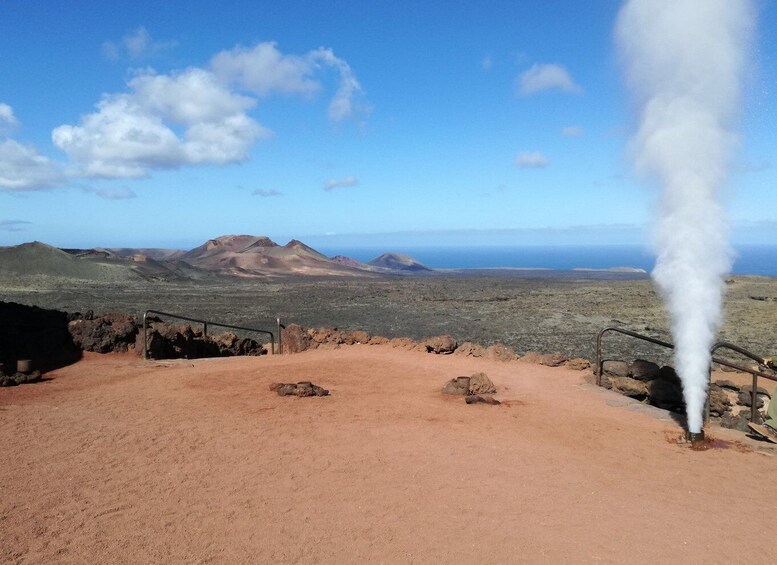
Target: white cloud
x=572, y=131
x=532, y=160
x=137, y=45
x=116, y=193
x=8, y=121
x=547, y=77
x=263, y=69
x=132, y=134
x=23, y=168
x=196, y=116
x=14, y=225
x=264, y=193
x=331, y=184
x=486, y=63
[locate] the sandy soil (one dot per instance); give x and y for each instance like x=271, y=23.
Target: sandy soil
x=119, y=460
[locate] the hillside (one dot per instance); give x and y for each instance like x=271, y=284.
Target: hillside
x=229, y=255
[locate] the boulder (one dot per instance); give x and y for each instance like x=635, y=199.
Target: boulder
x=719, y=402
x=300, y=389
x=629, y=387
x=104, y=334
x=500, y=352
x=578, y=364
x=403, y=343
x=761, y=391
x=358, y=336
x=746, y=399
x=481, y=399
x=531, y=357
x=470, y=349
x=441, y=345
x=615, y=368
x=294, y=339
x=553, y=359
x=669, y=374
x=734, y=422
x=728, y=385
x=643, y=370
x=479, y=383
x=665, y=394
x=457, y=386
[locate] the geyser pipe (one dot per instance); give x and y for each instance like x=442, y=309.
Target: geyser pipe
x=684, y=60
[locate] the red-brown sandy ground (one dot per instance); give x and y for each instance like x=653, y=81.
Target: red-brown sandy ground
x=120, y=460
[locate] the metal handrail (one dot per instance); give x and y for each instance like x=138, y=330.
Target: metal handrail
x=204, y=330
x=720, y=345
x=755, y=372
x=600, y=362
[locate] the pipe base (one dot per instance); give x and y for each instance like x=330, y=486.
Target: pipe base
x=695, y=437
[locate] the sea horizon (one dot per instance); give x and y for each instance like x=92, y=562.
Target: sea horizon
x=749, y=259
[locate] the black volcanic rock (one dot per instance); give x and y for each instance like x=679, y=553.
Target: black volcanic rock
x=398, y=262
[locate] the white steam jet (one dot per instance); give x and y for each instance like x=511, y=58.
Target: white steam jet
x=684, y=63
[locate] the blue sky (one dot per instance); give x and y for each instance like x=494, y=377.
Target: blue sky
x=339, y=123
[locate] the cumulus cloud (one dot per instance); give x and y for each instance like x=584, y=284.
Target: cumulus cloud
x=572, y=131
x=264, y=193
x=197, y=116
x=331, y=184
x=131, y=134
x=531, y=160
x=14, y=225
x=263, y=69
x=541, y=77
x=136, y=45
x=21, y=166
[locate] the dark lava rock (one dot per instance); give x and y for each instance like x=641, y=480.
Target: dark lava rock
x=615, y=368
x=300, y=389
x=719, y=402
x=481, y=399
x=629, y=387
x=746, y=399
x=665, y=394
x=29, y=332
x=759, y=419
x=104, y=334
x=185, y=342
x=728, y=385
x=734, y=422
x=643, y=370
x=761, y=391
x=669, y=374
x=19, y=378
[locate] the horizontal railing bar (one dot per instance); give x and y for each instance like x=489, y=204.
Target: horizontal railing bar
x=205, y=323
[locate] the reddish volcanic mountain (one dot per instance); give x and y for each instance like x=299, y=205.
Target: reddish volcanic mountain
x=246, y=255
x=230, y=255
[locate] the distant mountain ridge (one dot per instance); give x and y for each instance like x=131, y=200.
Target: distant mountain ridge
x=228, y=255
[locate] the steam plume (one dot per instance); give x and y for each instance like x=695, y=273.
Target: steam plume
x=684, y=61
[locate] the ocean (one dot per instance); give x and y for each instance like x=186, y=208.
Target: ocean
x=750, y=259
